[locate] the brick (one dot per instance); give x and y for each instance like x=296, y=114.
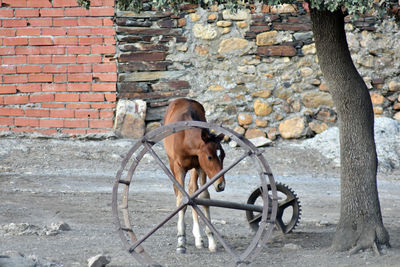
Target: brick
x=54, y=31
x=103, y=105
x=28, y=32
x=62, y=22
x=76, y=12
x=79, y=87
x=29, y=68
x=80, y=77
x=26, y=12
x=58, y=40
x=8, y=89
x=1, y=100
x=90, y=40
x=7, y=51
x=16, y=41
x=74, y=132
x=102, y=12
x=26, y=122
x=37, y=112
x=6, y=121
x=79, y=31
x=280, y=51
x=12, y=23
x=90, y=22
x=6, y=13
x=51, y=12
x=63, y=59
x=54, y=68
x=52, y=50
x=104, y=87
x=109, y=40
x=76, y=123
x=13, y=60
x=105, y=77
x=106, y=114
x=108, y=3
x=6, y=69
x=18, y=78
x=27, y=50
x=96, y=3
x=67, y=97
x=103, y=31
x=40, y=22
x=78, y=50
x=89, y=114
x=108, y=22
x=89, y=59
x=62, y=113
x=5, y=111
x=16, y=100
x=29, y=87
x=23, y=130
x=40, y=78
x=103, y=49
x=54, y=87
x=39, y=3
x=78, y=106
x=40, y=41
x=39, y=59
x=60, y=78
x=65, y=3
x=41, y=98
x=14, y=3
x=47, y=131
x=100, y=123
x=51, y=123
x=7, y=32
x=81, y=68
x=111, y=97
x=92, y=97
x=105, y=68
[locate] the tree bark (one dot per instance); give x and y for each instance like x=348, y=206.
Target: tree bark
x=360, y=225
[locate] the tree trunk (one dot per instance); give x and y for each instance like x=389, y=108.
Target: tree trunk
x=360, y=225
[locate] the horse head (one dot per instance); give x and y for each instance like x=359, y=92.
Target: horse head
x=211, y=156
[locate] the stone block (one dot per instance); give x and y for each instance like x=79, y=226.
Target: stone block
x=232, y=45
x=260, y=141
x=253, y=133
x=224, y=23
x=316, y=99
x=266, y=38
x=130, y=118
x=377, y=99
x=262, y=108
x=277, y=51
x=394, y=86
x=204, y=32
x=318, y=127
x=244, y=119
x=292, y=128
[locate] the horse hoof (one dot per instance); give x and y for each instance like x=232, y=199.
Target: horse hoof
x=212, y=249
x=181, y=250
x=200, y=244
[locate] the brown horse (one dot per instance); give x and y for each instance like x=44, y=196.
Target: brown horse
x=195, y=150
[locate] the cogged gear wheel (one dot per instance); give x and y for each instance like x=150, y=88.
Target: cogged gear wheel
x=289, y=209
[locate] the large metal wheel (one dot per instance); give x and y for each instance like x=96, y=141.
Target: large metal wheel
x=123, y=218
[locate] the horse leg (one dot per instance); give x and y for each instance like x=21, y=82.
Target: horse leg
x=196, y=227
x=212, y=246
x=181, y=245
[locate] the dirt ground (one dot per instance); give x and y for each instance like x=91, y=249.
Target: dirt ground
x=55, y=207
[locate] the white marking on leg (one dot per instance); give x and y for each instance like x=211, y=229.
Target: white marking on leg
x=196, y=227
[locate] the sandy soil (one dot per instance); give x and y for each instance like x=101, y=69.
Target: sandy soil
x=44, y=182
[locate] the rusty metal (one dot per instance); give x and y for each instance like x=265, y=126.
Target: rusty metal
x=267, y=212
x=289, y=200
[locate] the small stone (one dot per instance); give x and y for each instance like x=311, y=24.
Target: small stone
x=291, y=246
x=239, y=130
x=202, y=49
x=394, y=86
x=272, y=134
x=232, y=45
x=212, y=17
x=181, y=22
x=239, y=15
x=396, y=106
x=378, y=110
x=99, y=261
x=266, y=38
x=262, y=108
x=60, y=226
x=262, y=93
x=204, y=32
x=247, y=69
x=130, y=118
x=260, y=141
x=261, y=123
x=226, y=30
x=397, y=116
x=318, y=127
x=253, y=133
x=241, y=24
x=244, y=119
x=152, y=126
x=309, y=49
x=324, y=87
x=305, y=72
x=292, y=128
x=377, y=99
x=302, y=36
x=316, y=99
x=224, y=23
x=194, y=17
x=216, y=87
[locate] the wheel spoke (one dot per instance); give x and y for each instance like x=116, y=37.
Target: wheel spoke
x=280, y=224
x=256, y=218
x=289, y=201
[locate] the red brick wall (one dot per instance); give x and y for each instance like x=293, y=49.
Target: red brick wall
x=57, y=72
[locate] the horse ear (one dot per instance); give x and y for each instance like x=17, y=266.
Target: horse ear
x=220, y=137
x=205, y=135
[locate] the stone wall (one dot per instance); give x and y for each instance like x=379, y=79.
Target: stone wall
x=255, y=71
